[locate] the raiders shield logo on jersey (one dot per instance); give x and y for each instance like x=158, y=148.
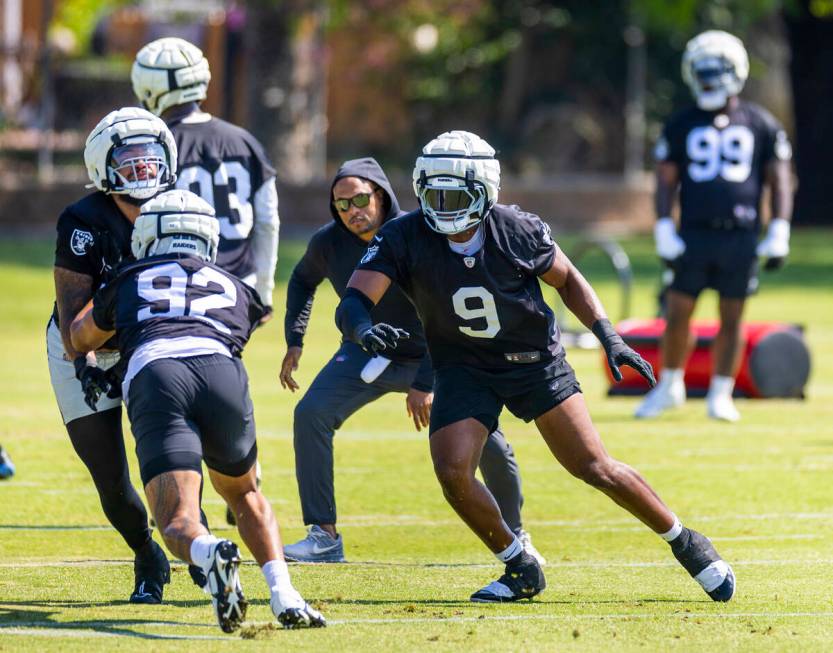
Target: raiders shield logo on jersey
x=80, y=242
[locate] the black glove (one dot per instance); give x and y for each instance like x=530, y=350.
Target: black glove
x=618, y=353
x=774, y=263
x=94, y=381
x=382, y=336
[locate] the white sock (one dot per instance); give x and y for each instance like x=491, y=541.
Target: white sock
x=510, y=551
x=276, y=573
x=201, y=550
x=721, y=386
x=283, y=594
x=674, y=532
x=671, y=376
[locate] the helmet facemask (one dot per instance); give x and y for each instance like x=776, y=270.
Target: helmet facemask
x=452, y=204
x=714, y=80
x=138, y=169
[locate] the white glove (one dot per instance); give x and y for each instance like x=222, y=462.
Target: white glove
x=669, y=244
x=776, y=244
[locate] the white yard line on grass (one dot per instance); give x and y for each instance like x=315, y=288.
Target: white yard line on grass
x=27, y=563
x=30, y=629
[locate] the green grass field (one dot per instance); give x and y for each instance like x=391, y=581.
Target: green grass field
x=761, y=489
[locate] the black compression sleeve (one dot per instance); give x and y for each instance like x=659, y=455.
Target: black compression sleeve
x=353, y=314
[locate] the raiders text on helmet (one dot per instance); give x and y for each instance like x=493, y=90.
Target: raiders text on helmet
x=176, y=221
x=131, y=152
x=456, y=180
x=168, y=72
x=715, y=67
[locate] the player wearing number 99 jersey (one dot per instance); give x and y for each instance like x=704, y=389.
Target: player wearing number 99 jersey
x=222, y=163
x=472, y=268
x=718, y=155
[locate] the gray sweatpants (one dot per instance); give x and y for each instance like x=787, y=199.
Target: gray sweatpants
x=336, y=393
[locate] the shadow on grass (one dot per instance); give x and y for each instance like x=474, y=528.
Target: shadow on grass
x=33, y=620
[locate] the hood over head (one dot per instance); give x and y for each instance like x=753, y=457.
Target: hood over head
x=366, y=168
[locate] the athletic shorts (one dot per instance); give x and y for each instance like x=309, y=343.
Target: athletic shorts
x=461, y=392
x=722, y=260
x=186, y=410
x=67, y=388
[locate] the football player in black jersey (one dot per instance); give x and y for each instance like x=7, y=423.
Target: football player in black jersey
x=472, y=268
x=222, y=163
x=130, y=156
x=717, y=156
x=182, y=324
x=361, y=201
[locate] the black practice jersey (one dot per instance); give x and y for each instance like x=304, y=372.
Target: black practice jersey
x=93, y=238
x=722, y=159
x=173, y=296
x=225, y=165
x=484, y=311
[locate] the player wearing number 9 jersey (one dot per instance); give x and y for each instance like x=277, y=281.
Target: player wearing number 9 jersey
x=472, y=268
x=718, y=155
x=222, y=163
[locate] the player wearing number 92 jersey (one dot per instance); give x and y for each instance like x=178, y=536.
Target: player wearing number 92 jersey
x=222, y=163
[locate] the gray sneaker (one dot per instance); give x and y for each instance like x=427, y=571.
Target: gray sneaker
x=317, y=546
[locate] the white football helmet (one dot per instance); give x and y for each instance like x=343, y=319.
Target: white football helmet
x=131, y=152
x=715, y=67
x=176, y=221
x=456, y=180
x=168, y=72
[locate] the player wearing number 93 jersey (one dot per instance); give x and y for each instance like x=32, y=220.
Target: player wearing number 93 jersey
x=472, y=268
x=222, y=163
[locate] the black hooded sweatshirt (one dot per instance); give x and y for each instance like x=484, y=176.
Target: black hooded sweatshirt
x=333, y=253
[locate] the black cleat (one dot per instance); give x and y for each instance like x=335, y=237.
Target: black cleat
x=224, y=586
x=699, y=558
x=305, y=617
x=199, y=577
x=151, y=572
x=521, y=580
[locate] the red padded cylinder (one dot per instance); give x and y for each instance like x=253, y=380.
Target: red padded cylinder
x=770, y=348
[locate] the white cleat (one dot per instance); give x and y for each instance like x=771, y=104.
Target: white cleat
x=526, y=542
x=664, y=396
x=722, y=407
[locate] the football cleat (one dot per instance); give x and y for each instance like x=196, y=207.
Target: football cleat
x=722, y=407
x=526, y=542
x=224, y=586
x=317, y=546
x=698, y=557
x=521, y=580
x=6, y=465
x=664, y=396
x=293, y=612
x=151, y=572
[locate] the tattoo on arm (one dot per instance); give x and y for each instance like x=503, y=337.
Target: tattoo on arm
x=72, y=291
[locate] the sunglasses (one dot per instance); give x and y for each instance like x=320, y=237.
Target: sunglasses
x=360, y=200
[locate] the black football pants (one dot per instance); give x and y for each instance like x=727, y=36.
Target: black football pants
x=99, y=442
x=336, y=393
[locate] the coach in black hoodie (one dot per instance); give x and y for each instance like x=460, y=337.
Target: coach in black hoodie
x=361, y=200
